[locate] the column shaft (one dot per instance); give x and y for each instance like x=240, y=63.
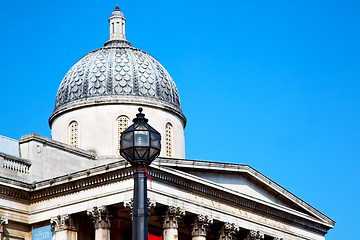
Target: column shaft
x=198, y=238
x=102, y=234
x=170, y=234
x=65, y=235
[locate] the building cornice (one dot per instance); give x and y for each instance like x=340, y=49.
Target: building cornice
x=121, y=170
x=112, y=100
x=58, y=145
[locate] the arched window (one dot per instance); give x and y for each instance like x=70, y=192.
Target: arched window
x=168, y=139
x=122, y=123
x=74, y=134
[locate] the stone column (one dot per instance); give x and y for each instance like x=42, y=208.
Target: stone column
x=170, y=218
x=101, y=219
x=3, y=221
x=255, y=235
x=228, y=230
x=64, y=228
x=199, y=227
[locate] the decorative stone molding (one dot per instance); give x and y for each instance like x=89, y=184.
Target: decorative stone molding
x=170, y=216
x=4, y=221
x=255, y=235
x=100, y=216
x=129, y=205
x=151, y=205
x=277, y=238
x=228, y=230
x=200, y=225
x=63, y=222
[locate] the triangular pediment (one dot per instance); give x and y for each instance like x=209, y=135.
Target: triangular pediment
x=244, y=182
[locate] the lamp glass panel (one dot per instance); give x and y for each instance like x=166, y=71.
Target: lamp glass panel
x=153, y=152
x=141, y=138
x=141, y=152
x=140, y=127
x=129, y=153
x=155, y=140
x=126, y=140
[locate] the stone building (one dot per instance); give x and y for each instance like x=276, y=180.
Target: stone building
x=76, y=185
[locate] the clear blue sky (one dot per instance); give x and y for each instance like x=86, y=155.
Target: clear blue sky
x=271, y=84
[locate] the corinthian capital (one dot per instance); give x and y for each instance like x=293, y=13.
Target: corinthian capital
x=170, y=216
x=100, y=217
x=200, y=225
x=63, y=222
x=129, y=205
x=255, y=235
x=228, y=230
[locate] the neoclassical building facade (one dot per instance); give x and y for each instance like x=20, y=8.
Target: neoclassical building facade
x=75, y=186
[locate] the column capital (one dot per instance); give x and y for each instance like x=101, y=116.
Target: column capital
x=4, y=221
x=255, y=235
x=129, y=205
x=100, y=216
x=170, y=216
x=151, y=204
x=228, y=230
x=199, y=225
x=63, y=222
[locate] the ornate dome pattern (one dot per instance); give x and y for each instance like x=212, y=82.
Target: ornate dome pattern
x=117, y=69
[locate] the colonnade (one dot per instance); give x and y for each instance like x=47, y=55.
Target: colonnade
x=169, y=216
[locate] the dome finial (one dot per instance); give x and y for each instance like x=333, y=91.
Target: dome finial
x=117, y=25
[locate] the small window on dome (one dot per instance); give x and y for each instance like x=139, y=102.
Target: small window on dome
x=122, y=123
x=169, y=139
x=73, y=134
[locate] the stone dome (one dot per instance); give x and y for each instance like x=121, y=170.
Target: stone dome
x=117, y=13
x=117, y=73
x=102, y=92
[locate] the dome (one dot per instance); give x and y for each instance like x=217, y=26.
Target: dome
x=102, y=92
x=117, y=13
x=117, y=73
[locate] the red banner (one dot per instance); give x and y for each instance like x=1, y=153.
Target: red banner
x=153, y=237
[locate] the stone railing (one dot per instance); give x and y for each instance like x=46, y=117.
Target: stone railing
x=15, y=164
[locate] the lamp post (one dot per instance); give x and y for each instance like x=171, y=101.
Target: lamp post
x=140, y=145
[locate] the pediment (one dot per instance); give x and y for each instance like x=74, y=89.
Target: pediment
x=245, y=182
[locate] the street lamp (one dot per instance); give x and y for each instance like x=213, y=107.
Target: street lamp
x=140, y=145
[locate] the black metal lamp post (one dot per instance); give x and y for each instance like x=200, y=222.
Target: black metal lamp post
x=140, y=145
